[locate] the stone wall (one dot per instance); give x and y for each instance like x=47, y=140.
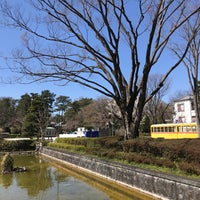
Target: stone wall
x=158, y=184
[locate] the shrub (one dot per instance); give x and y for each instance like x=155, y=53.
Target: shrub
x=7, y=163
x=17, y=145
x=158, y=152
x=75, y=141
x=110, y=142
x=190, y=168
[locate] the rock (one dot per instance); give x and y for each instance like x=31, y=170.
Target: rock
x=19, y=169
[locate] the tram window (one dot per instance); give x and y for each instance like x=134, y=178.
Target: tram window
x=166, y=129
x=158, y=129
x=194, y=129
x=179, y=129
x=188, y=129
x=162, y=129
x=184, y=129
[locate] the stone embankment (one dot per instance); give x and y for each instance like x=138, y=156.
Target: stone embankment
x=158, y=184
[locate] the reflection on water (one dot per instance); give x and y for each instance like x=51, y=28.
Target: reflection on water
x=44, y=181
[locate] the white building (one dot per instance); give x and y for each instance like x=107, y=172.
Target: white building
x=184, y=110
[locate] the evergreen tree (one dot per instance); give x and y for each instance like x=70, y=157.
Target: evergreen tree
x=39, y=113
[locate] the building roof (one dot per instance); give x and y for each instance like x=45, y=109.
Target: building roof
x=186, y=98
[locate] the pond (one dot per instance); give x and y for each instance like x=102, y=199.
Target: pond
x=46, y=180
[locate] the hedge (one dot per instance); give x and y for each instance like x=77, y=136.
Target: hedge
x=180, y=154
x=17, y=145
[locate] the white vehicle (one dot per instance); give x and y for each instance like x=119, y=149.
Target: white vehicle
x=79, y=133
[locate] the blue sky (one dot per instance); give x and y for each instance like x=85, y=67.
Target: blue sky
x=11, y=39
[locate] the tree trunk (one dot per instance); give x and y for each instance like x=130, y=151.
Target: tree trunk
x=131, y=127
x=197, y=110
x=131, y=121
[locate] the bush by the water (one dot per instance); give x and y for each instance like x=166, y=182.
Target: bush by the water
x=7, y=163
x=180, y=154
x=17, y=145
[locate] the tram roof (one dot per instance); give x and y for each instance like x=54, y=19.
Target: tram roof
x=173, y=124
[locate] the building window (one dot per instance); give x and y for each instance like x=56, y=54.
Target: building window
x=181, y=119
x=193, y=118
x=180, y=107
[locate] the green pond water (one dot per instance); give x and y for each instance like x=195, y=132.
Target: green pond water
x=46, y=180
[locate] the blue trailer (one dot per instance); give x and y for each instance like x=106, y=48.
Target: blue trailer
x=91, y=133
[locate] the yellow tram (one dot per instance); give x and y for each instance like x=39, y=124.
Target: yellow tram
x=174, y=131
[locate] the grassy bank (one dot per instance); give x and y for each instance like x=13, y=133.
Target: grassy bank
x=181, y=157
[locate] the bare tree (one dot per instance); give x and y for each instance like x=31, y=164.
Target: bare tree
x=110, y=46
x=191, y=32
x=156, y=108
x=95, y=114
